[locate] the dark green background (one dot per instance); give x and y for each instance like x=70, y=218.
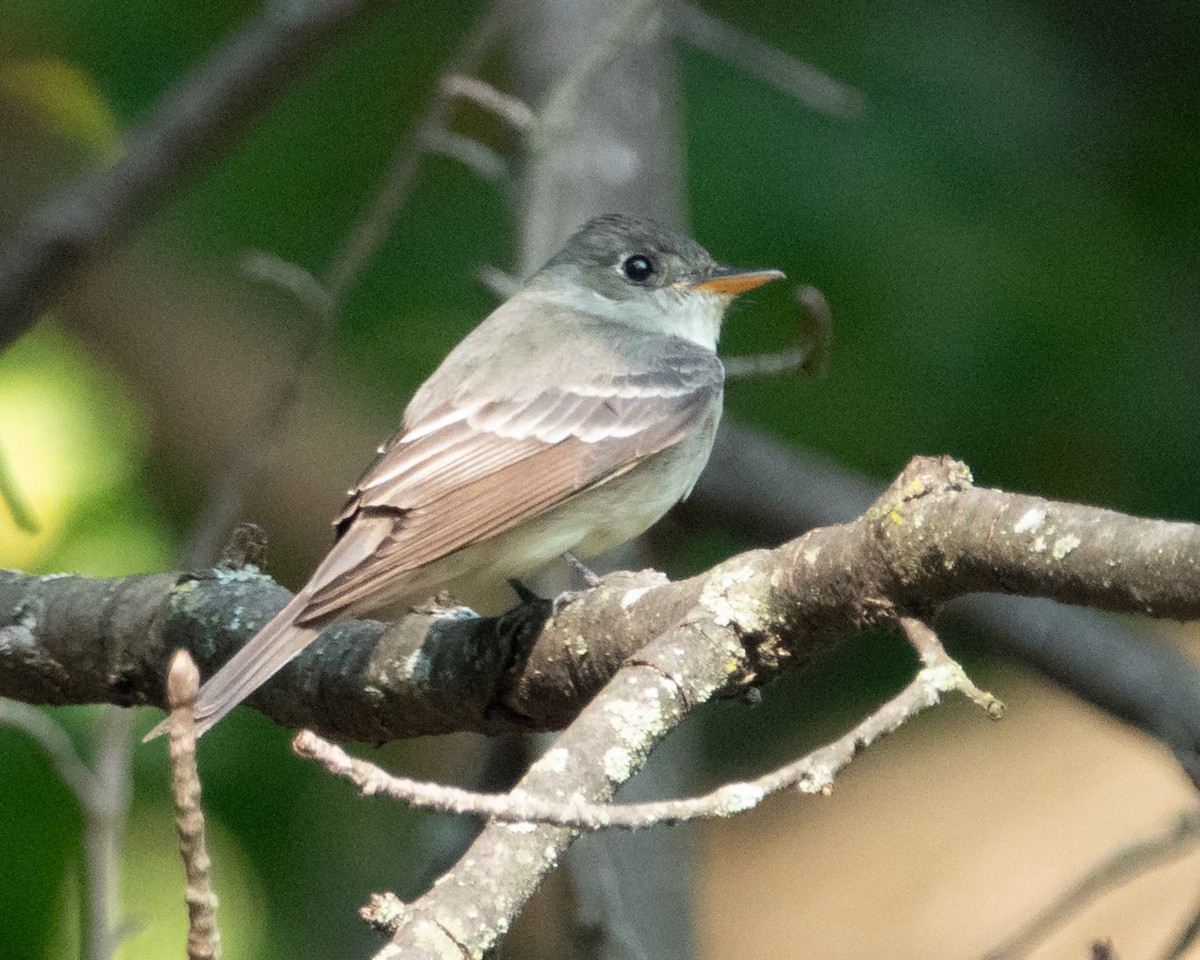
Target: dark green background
x=1008, y=238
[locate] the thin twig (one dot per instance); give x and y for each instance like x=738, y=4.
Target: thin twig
x=372, y=227
x=481, y=159
x=104, y=817
x=502, y=284
x=1117, y=868
x=204, y=937
x=102, y=795
x=770, y=64
x=771, y=364
x=811, y=354
x=813, y=773
x=816, y=330
x=268, y=268
x=76, y=775
x=512, y=109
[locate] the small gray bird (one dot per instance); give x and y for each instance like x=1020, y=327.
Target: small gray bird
x=571, y=419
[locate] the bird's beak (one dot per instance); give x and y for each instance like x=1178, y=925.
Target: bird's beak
x=729, y=281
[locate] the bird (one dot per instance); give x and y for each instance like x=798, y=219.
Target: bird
x=567, y=422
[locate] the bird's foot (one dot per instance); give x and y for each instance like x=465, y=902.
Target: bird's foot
x=591, y=580
x=442, y=604
x=524, y=594
x=557, y=604
x=566, y=598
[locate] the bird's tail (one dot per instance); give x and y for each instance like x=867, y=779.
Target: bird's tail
x=252, y=666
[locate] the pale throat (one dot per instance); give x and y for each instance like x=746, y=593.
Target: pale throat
x=690, y=315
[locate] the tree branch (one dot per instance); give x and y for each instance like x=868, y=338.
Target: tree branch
x=778, y=493
x=472, y=904
x=930, y=537
x=204, y=937
x=812, y=773
x=770, y=64
x=1117, y=868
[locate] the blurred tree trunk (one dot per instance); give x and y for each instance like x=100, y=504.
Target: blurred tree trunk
x=613, y=142
x=618, y=145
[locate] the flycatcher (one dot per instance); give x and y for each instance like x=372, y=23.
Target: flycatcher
x=571, y=419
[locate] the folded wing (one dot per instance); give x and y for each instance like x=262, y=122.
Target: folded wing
x=466, y=472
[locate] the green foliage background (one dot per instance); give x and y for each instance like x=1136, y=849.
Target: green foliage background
x=1008, y=238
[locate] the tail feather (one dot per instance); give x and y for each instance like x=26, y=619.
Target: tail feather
x=252, y=666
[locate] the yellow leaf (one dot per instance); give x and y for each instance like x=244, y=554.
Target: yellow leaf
x=69, y=435
x=66, y=100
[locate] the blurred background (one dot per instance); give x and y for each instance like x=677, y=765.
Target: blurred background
x=1009, y=238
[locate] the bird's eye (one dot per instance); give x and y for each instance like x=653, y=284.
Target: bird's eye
x=638, y=268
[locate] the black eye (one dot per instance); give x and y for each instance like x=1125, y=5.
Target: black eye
x=638, y=268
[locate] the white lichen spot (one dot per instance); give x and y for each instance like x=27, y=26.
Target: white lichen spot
x=736, y=797
x=1039, y=545
x=555, y=760
x=630, y=597
x=944, y=677
x=15, y=639
x=730, y=597
x=630, y=716
x=239, y=574
x=810, y=555
x=1064, y=545
x=1030, y=521
x=415, y=667
x=617, y=763
x=580, y=645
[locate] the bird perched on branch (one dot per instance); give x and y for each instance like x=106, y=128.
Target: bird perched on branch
x=572, y=418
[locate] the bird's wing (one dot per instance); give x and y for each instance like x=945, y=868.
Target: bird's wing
x=466, y=472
